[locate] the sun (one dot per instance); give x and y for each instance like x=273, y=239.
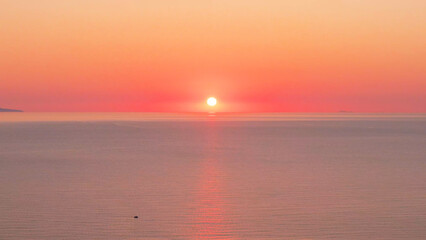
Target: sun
x=211, y=101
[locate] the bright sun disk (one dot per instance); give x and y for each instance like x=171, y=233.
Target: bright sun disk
x=211, y=101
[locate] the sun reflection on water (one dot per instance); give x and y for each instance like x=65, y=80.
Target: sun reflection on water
x=212, y=219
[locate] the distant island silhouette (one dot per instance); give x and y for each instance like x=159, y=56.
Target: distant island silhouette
x=9, y=110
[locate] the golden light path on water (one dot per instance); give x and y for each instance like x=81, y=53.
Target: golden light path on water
x=212, y=220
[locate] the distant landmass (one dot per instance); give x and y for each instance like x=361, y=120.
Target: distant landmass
x=9, y=110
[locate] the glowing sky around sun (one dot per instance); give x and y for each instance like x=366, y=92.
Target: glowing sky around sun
x=253, y=55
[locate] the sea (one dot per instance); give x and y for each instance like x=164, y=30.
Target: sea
x=87, y=176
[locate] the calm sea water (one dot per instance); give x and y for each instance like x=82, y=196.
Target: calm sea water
x=84, y=176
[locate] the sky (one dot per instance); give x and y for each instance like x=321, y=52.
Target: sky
x=252, y=55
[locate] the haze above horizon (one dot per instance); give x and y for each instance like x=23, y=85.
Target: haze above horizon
x=253, y=56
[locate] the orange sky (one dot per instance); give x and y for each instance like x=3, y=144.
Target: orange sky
x=253, y=55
